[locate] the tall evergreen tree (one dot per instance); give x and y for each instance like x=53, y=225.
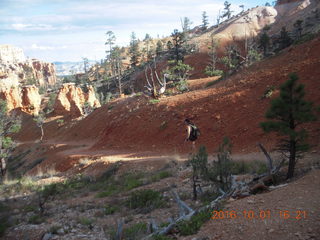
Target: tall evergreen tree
x=298, y=27
x=285, y=40
x=264, y=40
x=227, y=11
x=205, y=22
x=111, y=38
x=286, y=115
x=159, y=48
x=178, y=41
x=116, y=59
x=186, y=24
x=134, y=50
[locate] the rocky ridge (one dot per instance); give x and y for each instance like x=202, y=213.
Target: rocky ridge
x=16, y=69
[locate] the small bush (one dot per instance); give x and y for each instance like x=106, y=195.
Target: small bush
x=3, y=218
x=147, y=199
x=212, y=72
x=154, y=101
x=109, y=210
x=36, y=219
x=268, y=92
x=86, y=222
x=163, y=125
x=3, y=225
x=194, y=224
x=60, y=122
x=161, y=237
x=134, y=232
x=305, y=38
x=208, y=196
x=161, y=175
x=54, y=229
x=30, y=208
x=131, y=181
x=182, y=86
x=242, y=167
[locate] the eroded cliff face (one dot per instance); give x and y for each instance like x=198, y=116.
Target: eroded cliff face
x=16, y=69
x=71, y=100
x=12, y=96
x=26, y=99
x=30, y=99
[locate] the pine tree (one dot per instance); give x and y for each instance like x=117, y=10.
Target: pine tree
x=204, y=20
x=264, y=40
x=9, y=123
x=159, y=48
x=178, y=50
x=286, y=115
x=298, y=27
x=186, y=24
x=199, y=162
x=285, y=40
x=134, y=50
x=227, y=11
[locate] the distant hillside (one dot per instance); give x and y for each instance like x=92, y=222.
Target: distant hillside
x=68, y=68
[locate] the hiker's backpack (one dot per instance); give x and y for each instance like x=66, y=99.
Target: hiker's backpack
x=195, y=133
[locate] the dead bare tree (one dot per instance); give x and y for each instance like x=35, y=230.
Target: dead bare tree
x=3, y=167
x=185, y=213
x=151, y=83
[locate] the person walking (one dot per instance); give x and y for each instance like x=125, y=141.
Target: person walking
x=193, y=132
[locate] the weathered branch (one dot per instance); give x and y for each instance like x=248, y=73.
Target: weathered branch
x=267, y=156
x=190, y=213
x=119, y=230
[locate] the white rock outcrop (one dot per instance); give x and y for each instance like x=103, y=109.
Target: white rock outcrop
x=16, y=69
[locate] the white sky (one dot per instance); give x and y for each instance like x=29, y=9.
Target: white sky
x=67, y=30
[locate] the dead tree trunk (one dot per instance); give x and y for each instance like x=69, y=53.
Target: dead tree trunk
x=152, y=85
x=3, y=167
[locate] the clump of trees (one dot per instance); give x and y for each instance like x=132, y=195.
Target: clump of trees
x=9, y=123
x=286, y=117
x=211, y=70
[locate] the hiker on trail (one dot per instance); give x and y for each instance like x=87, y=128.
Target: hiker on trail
x=192, y=132
x=3, y=166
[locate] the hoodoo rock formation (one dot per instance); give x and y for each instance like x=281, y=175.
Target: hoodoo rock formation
x=26, y=99
x=12, y=96
x=16, y=69
x=71, y=100
x=31, y=100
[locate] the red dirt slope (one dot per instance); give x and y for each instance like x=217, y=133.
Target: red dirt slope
x=232, y=108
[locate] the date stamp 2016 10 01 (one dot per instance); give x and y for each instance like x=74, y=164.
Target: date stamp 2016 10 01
x=260, y=214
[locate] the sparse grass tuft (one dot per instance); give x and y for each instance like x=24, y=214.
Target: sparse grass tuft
x=163, y=125
x=194, y=224
x=244, y=167
x=54, y=229
x=146, y=199
x=86, y=222
x=134, y=232
x=36, y=219
x=160, y=175
x=154, y=101
x=161, y=237
x=109, y=210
